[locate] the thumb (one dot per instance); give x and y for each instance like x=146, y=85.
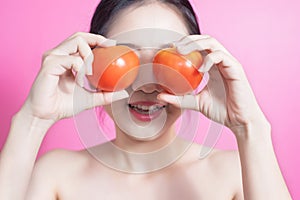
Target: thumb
x=104, y=98
x=187, y=101
x=84, y=100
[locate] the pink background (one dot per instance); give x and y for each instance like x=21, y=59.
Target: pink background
x=262, y=34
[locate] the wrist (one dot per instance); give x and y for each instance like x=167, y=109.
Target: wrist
x=24, y=118
x=258, y=130
x=26, y=135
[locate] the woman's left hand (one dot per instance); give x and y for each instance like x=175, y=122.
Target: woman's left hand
x=227, y=98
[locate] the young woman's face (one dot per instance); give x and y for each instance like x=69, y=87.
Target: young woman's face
x=147, y=29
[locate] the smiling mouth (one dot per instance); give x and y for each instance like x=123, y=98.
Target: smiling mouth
x=146, y=111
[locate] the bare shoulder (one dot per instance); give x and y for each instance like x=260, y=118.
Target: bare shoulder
x=60, y=161
x=53, y=169
x=220, y=168
x=59, y=157
x=59, y=166
x=217, y=158
x=226, y=164
x=224, y=160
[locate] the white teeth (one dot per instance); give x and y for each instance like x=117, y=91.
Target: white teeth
x=139, y=106
x=152, y=107
x=146, y=109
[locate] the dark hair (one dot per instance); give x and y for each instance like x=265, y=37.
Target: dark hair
x=107, y=9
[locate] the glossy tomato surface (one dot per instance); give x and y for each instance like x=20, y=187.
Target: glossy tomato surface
x=114, y=68
x=177, y=73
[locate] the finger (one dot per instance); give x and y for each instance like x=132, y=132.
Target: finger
x=86, y=54
x=202, y=44
x=189, y=38
x=229, y=67
x=185, y=102
x=70, y=45
x=95, y=39
x=202, y=102
x=87, y=100
x=58, y=65
x=78, y=45
x=105, y=98
x=81, y=43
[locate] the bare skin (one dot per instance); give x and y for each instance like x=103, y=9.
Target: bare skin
x=215, y=177
x=252, y=172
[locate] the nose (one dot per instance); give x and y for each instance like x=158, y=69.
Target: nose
x=146, y=80
x=150, y=88
x=146, y=54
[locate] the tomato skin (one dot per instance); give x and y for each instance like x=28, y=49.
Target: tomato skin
x=114, y=68
x=177, y=73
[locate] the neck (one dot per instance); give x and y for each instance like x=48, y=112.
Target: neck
x=134, y=145
x=134, y=156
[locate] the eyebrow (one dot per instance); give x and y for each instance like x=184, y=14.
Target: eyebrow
x=136, y=46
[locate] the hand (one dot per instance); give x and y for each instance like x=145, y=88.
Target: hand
x=51, y=96
x=227, y=98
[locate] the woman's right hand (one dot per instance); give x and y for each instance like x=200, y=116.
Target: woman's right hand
x=51, y=96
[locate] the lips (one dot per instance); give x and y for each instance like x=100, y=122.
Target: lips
x=146, y=110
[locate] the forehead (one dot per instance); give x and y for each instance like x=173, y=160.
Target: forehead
x=148, y=25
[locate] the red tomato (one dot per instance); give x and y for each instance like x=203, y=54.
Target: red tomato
x=177, y=73
x=114, y=68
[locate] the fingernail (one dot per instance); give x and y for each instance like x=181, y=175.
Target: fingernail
x=123, y=94
x=164, y=97
x=80, y=79
x=80, y=83
x=172, y=45
x=182, y=50
x=89, y=63
x=176, y=44
x=109, y=42
x=180, y=43
x=206, y=65
x=201, y=69
x=89, y=68
x=159, y=97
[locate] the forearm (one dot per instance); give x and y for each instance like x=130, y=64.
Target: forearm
x=19, y=154
x=262, y=178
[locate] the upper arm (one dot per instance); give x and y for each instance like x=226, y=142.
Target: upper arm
x=43, y=181
x=228, y=166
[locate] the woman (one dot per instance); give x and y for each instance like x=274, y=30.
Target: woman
x=250, y=173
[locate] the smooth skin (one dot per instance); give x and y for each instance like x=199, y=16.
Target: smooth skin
x=252, y=172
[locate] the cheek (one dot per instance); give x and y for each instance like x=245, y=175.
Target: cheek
x=116, y=109
x=107, y=109
x=173, y=113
